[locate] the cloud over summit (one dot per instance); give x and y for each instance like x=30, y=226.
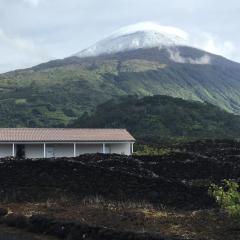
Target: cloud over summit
x=33, y=31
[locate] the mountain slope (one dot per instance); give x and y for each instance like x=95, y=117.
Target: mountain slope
x=57, y=92
x=157, y=118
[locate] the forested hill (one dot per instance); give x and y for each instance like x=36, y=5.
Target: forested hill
x=156, y=118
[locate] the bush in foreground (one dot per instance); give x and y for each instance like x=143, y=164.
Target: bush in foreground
x=227, y=197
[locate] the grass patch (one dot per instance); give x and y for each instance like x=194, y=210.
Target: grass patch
x=20, y=101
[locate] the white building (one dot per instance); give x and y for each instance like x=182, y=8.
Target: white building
x=63, y=142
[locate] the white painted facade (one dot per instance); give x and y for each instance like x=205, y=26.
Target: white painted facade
x=34, y=150
x=69, y=149
x=6, y=150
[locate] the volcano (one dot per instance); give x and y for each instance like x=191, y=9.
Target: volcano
x=143, y=59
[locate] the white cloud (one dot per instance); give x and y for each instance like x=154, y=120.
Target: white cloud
x=152, y=26
x=62, y=27
x=16, y=43
x=32, y=2
x=213, y=44
x=172, y=35
x=176, y=57
x=19, y=52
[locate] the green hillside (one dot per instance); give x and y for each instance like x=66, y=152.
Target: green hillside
x=157, y=118
x=57, y=92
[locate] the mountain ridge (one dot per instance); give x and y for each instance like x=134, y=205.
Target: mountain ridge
x=55, y=93
x=124, y=55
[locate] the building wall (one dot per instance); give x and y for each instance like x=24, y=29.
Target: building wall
x=5, y=150
x=88, y=148
x=52, y=150
x=66, y=150
x=121, y=148
x=34, y=150
x=118, y=148
x=61, y=150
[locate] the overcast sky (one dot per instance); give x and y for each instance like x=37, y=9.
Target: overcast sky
x=35, y=31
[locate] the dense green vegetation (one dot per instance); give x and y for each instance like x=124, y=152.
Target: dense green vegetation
x=227, y=197
x=55, y=93
x=147, y=150
x=48, y=98
x=157, y=118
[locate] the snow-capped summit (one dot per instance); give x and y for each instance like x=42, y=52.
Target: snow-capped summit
x=141, y=35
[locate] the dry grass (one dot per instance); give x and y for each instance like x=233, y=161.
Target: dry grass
x=138, y=217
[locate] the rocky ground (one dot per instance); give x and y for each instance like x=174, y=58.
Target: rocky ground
x=164, y=195
x=7, y=233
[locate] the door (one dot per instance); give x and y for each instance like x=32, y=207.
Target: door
x=50, y=152
x=20, y=153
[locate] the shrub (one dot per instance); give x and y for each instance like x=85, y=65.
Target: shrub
x=150, y=150
x=227, y=197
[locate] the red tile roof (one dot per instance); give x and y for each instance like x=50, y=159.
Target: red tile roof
x=64, y=135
